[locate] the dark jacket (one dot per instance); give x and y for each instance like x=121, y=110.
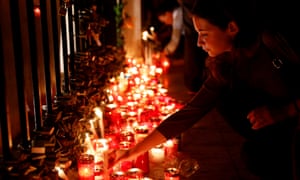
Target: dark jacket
x=238, y=82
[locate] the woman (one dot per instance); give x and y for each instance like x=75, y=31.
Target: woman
x=170, y=14
x=244, y=84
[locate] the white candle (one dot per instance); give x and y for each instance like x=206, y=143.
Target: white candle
x=102, y=155
x=61, y=173
x=89, y=145
x=99, y=114
x=152, y=30
x=171, y=147
x=157, y=155
x=145, y=35
x=92, y=121
x=146, y=48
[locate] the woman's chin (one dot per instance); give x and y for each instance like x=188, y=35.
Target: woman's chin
x=211, y=54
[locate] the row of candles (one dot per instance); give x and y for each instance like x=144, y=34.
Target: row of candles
x=94, y=165
x=137, y=103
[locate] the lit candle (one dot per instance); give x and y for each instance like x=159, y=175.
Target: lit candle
x=146, y=51
x=99, y=114
x=145, y=35
x=157, y=154
x=142, y=162
x=147, y=178
x=134, y=174
x=101, y=158
x=122, y=83
x=124, y=165
x=171, y=147
x=92, y=121
x=118, y=175
x=61, y=173
x=127, y=135
x=86, y=167
x=172, y=174
x=152, y=30
x=140, y=133
x=113, y=115
x=112, y=139
x=88, y=144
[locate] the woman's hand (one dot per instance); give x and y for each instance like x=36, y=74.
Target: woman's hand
x=266, y=115
x=153, y=139
x=260, y=117
x=118, y=156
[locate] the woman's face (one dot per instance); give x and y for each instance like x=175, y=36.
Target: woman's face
x=166, y=18
x=213, y=39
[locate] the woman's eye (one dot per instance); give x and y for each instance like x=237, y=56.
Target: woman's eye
x=203, y=34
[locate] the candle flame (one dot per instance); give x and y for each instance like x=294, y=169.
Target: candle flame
x=145, y=35
x=98, y=112
x=61, y=173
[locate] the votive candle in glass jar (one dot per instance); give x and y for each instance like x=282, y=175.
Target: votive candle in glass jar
x=127, y=135
x=135, y=174
x=100, y=157
x=142, y=162
x=86, y=167
x=171, y=147
x=118, y=175
x=125, y=165
x=172, y=174
x=140, y=133
x=157, y=154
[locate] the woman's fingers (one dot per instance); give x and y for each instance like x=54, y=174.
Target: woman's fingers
x=260, y=117
x=117, y=156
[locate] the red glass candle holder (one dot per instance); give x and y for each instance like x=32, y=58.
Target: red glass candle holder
x=113, y=139
x=127, y=136
x=171, y=147
x=142, y=162
x=113, y=115
x=140, y=133
x=118, y=175
x=148, y=112
x=125, y=165
x=134, y=174
x=155, y=121
x=86, y=167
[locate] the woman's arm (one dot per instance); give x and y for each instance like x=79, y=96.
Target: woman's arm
x=176, y=123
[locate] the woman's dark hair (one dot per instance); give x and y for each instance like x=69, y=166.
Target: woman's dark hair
x=166, y=6
x=221, y=12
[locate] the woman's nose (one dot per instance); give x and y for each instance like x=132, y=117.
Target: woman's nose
x=199, y=41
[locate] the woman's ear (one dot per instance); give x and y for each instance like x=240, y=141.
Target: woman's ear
x=232, y=28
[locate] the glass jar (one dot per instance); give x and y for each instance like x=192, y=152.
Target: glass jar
x=86, y=167
x=172, y=174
